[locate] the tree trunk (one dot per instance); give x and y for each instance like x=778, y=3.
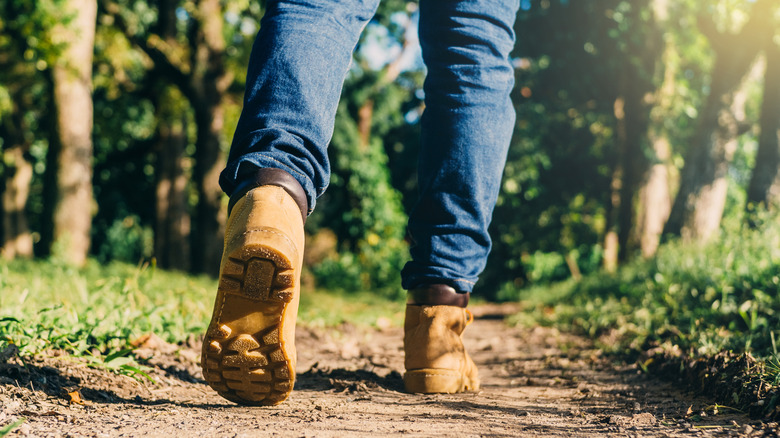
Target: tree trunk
x=654, y=194
x=73, y=101
x=611, y=240
x=631, y=114
x=208, y=229
x=172, y=216
x=209, y=84
x=15, y=237
x=655, y=200
x=365, y=119
x=17, y=240
x=698, y=207
x=172, y=227
x=204, y=81
x=635, y=164
x=764, y=186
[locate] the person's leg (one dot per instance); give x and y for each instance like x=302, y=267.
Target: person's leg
x=277, y=167
x=296, y=71
x=466, y=129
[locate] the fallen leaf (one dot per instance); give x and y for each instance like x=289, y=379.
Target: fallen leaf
x=75, y=397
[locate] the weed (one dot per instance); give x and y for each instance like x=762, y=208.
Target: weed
x=95, y=313
x=693, y=300
x=5, y=430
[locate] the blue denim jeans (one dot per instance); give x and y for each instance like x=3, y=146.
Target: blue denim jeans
x=296, y=71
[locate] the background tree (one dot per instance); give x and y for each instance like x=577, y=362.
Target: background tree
x=72, y=79
x=18, y=97
x=195, y=61
x=764, y=186
x=27, y=125
x=700, y=201
x=610, y=96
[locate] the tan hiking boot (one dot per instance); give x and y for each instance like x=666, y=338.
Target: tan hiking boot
x=249, y=349
x=436, y=361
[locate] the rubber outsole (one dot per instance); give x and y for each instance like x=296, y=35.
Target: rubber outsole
x=437, y=381
x=244, y=354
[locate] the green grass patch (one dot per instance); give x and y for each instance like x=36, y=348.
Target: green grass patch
x=5, y=430
x=703, y=298
x=97, y=311
x=691, y=301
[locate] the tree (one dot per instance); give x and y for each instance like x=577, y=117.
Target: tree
x=15, y=99
x=16, y=238
x=27, y=53
x=194, y=59
x=699, y=204
x=172, y=216
x=638, y=42
x=72, y=78
x=653, y=194
x=764, y=188
x=172, y=224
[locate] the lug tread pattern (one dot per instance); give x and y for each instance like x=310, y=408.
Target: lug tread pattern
x=251, y=368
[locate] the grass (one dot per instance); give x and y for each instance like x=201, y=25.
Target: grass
x=690, y=302
x=96, y=312
x=5, y=430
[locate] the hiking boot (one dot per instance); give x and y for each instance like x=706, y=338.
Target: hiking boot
x=435, y=360
x=249, y=349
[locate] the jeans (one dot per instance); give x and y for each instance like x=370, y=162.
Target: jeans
x=296, y=71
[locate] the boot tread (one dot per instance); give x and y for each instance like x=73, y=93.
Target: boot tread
x=251, y=368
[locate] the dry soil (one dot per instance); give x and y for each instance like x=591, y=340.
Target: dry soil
x=536, y=382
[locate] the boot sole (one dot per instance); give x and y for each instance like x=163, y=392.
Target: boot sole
x=245, y=357
x=437, y=381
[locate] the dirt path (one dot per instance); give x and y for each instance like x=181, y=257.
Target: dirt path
x=535, y=382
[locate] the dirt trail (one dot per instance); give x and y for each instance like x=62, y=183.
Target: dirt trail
x=535, y=382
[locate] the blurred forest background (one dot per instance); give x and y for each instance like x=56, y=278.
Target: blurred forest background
x=639, y=123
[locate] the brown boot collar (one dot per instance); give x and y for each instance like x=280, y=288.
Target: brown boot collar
x=273, y=177
x=437, y=295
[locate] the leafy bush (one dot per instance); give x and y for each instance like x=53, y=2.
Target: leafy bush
x=364, y=211
x=701, y=298
x=127, y=241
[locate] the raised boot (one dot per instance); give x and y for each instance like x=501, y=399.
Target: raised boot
x=435, y=359
x=249, y=349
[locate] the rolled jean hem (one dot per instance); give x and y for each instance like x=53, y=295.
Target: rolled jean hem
x=260, y=160
x=459, y=284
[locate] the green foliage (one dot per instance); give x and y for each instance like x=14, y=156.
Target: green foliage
x=128, y=241
x=31, y=24
x=702, y=299
x=8, y=428
x=573, y=60
x=97, y=312
x=558, y=172
x=570, y=60
x=367, y=216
